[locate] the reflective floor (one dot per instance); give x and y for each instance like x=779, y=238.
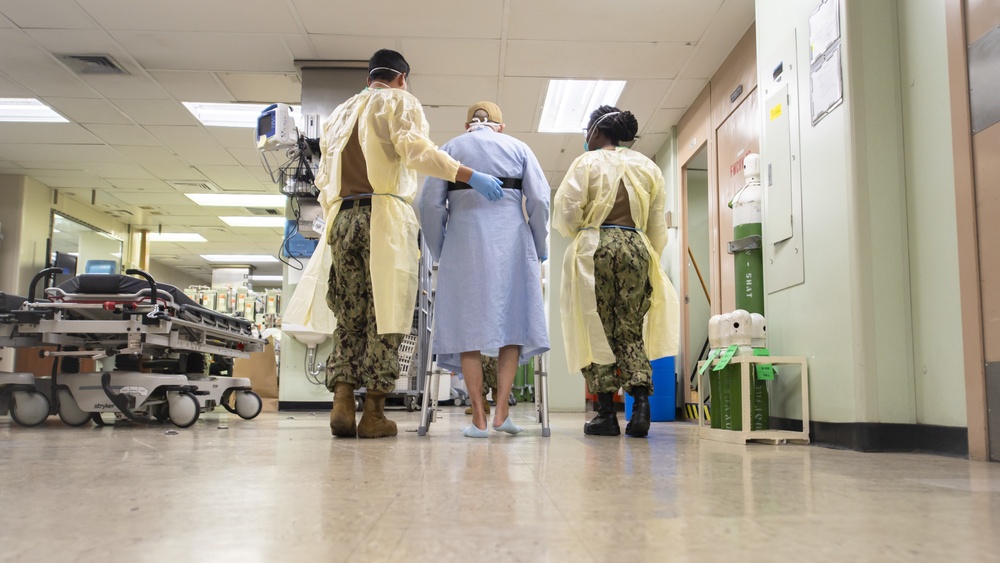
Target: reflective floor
x=279, y=488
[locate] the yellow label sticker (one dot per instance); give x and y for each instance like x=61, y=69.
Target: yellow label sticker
x=776, y=112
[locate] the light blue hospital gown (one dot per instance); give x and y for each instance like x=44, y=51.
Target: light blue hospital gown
x=489, y=289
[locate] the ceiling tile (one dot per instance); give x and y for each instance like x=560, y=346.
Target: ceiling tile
x=234, y=137
x=572, y=59
x=54, y=14
x=261, y=175
x=87, y=111
x=465, y=57
x=650, y=144
x=43, y=169
x=192, y=221
x=248, y=16
x=156, y=112
x=235, y=52
x=662, y=121
x=351, y=47
x=152, y=198
x=447, y=119
x=432, y=18
x=92, y=42
x=35, y=69
x=75, y=182
x=580, y=20
x=108, y=171
x=140, y=185
x=54, y=133
x=231, y=178
x=162, y=162
x=455, y=90
x=642, y=98
x=11, y=89
x=300, y=47
x=135, y=86
x=684, y=91
x=521, y=102
x=123, y=135
x=19, y=152
x=193, y=86
x=263, y=88
x=728, y=27
x=193, y=144
x=250, y=158
x=548, y=147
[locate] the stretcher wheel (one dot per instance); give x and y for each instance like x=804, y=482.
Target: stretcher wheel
x=30, y=408
x=248, y=404
x=359, y=403
x=161, y=413
x=184, y=408
x=410, y=402
x=70, y=412
x=512, y=400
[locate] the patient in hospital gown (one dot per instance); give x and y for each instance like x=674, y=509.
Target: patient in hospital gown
x=489, y=290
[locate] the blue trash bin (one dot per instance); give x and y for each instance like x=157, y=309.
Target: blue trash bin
x=663, y=402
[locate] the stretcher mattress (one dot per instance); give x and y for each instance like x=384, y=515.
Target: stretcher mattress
x=187, y=309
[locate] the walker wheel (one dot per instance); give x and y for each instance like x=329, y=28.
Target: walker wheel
x=359, y=403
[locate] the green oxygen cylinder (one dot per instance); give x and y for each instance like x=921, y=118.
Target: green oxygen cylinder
x=714, y=377
x=747, y=247
x=748, y=261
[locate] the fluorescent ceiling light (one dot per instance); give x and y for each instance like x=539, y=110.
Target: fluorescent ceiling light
x=239, y=200
x=28, y=110
x=569, y=103
x=265, y=278
x=231, y=115
x=176, y=237
x=242, y=221
x=240, y=258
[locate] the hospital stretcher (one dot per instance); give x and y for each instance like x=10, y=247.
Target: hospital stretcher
x=18, y=393
x=100, y=316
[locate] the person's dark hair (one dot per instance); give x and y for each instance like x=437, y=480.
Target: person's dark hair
x=620, y=128
x=384, y=59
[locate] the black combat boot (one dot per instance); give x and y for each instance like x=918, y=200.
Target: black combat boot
x=638, y=426
x=606, y=421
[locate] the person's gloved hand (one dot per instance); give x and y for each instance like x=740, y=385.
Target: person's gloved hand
x=543, y=259
x=487, y=185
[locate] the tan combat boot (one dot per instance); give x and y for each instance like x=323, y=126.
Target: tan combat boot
x=342, y=422
x=486, y=406
x=373, y=423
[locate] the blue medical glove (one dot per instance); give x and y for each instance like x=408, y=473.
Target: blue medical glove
x=543, y=259
x=487, y=185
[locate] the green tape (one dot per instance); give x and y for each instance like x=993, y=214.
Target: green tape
x=711, y=356
x=724, y=360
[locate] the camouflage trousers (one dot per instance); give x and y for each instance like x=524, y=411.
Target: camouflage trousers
x=621, y=272
x=361, y=356
x=490, y=368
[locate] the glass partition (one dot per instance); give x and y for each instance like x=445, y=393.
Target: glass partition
x=79, y=248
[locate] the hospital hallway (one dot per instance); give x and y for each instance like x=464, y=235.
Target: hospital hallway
x=279, y=488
